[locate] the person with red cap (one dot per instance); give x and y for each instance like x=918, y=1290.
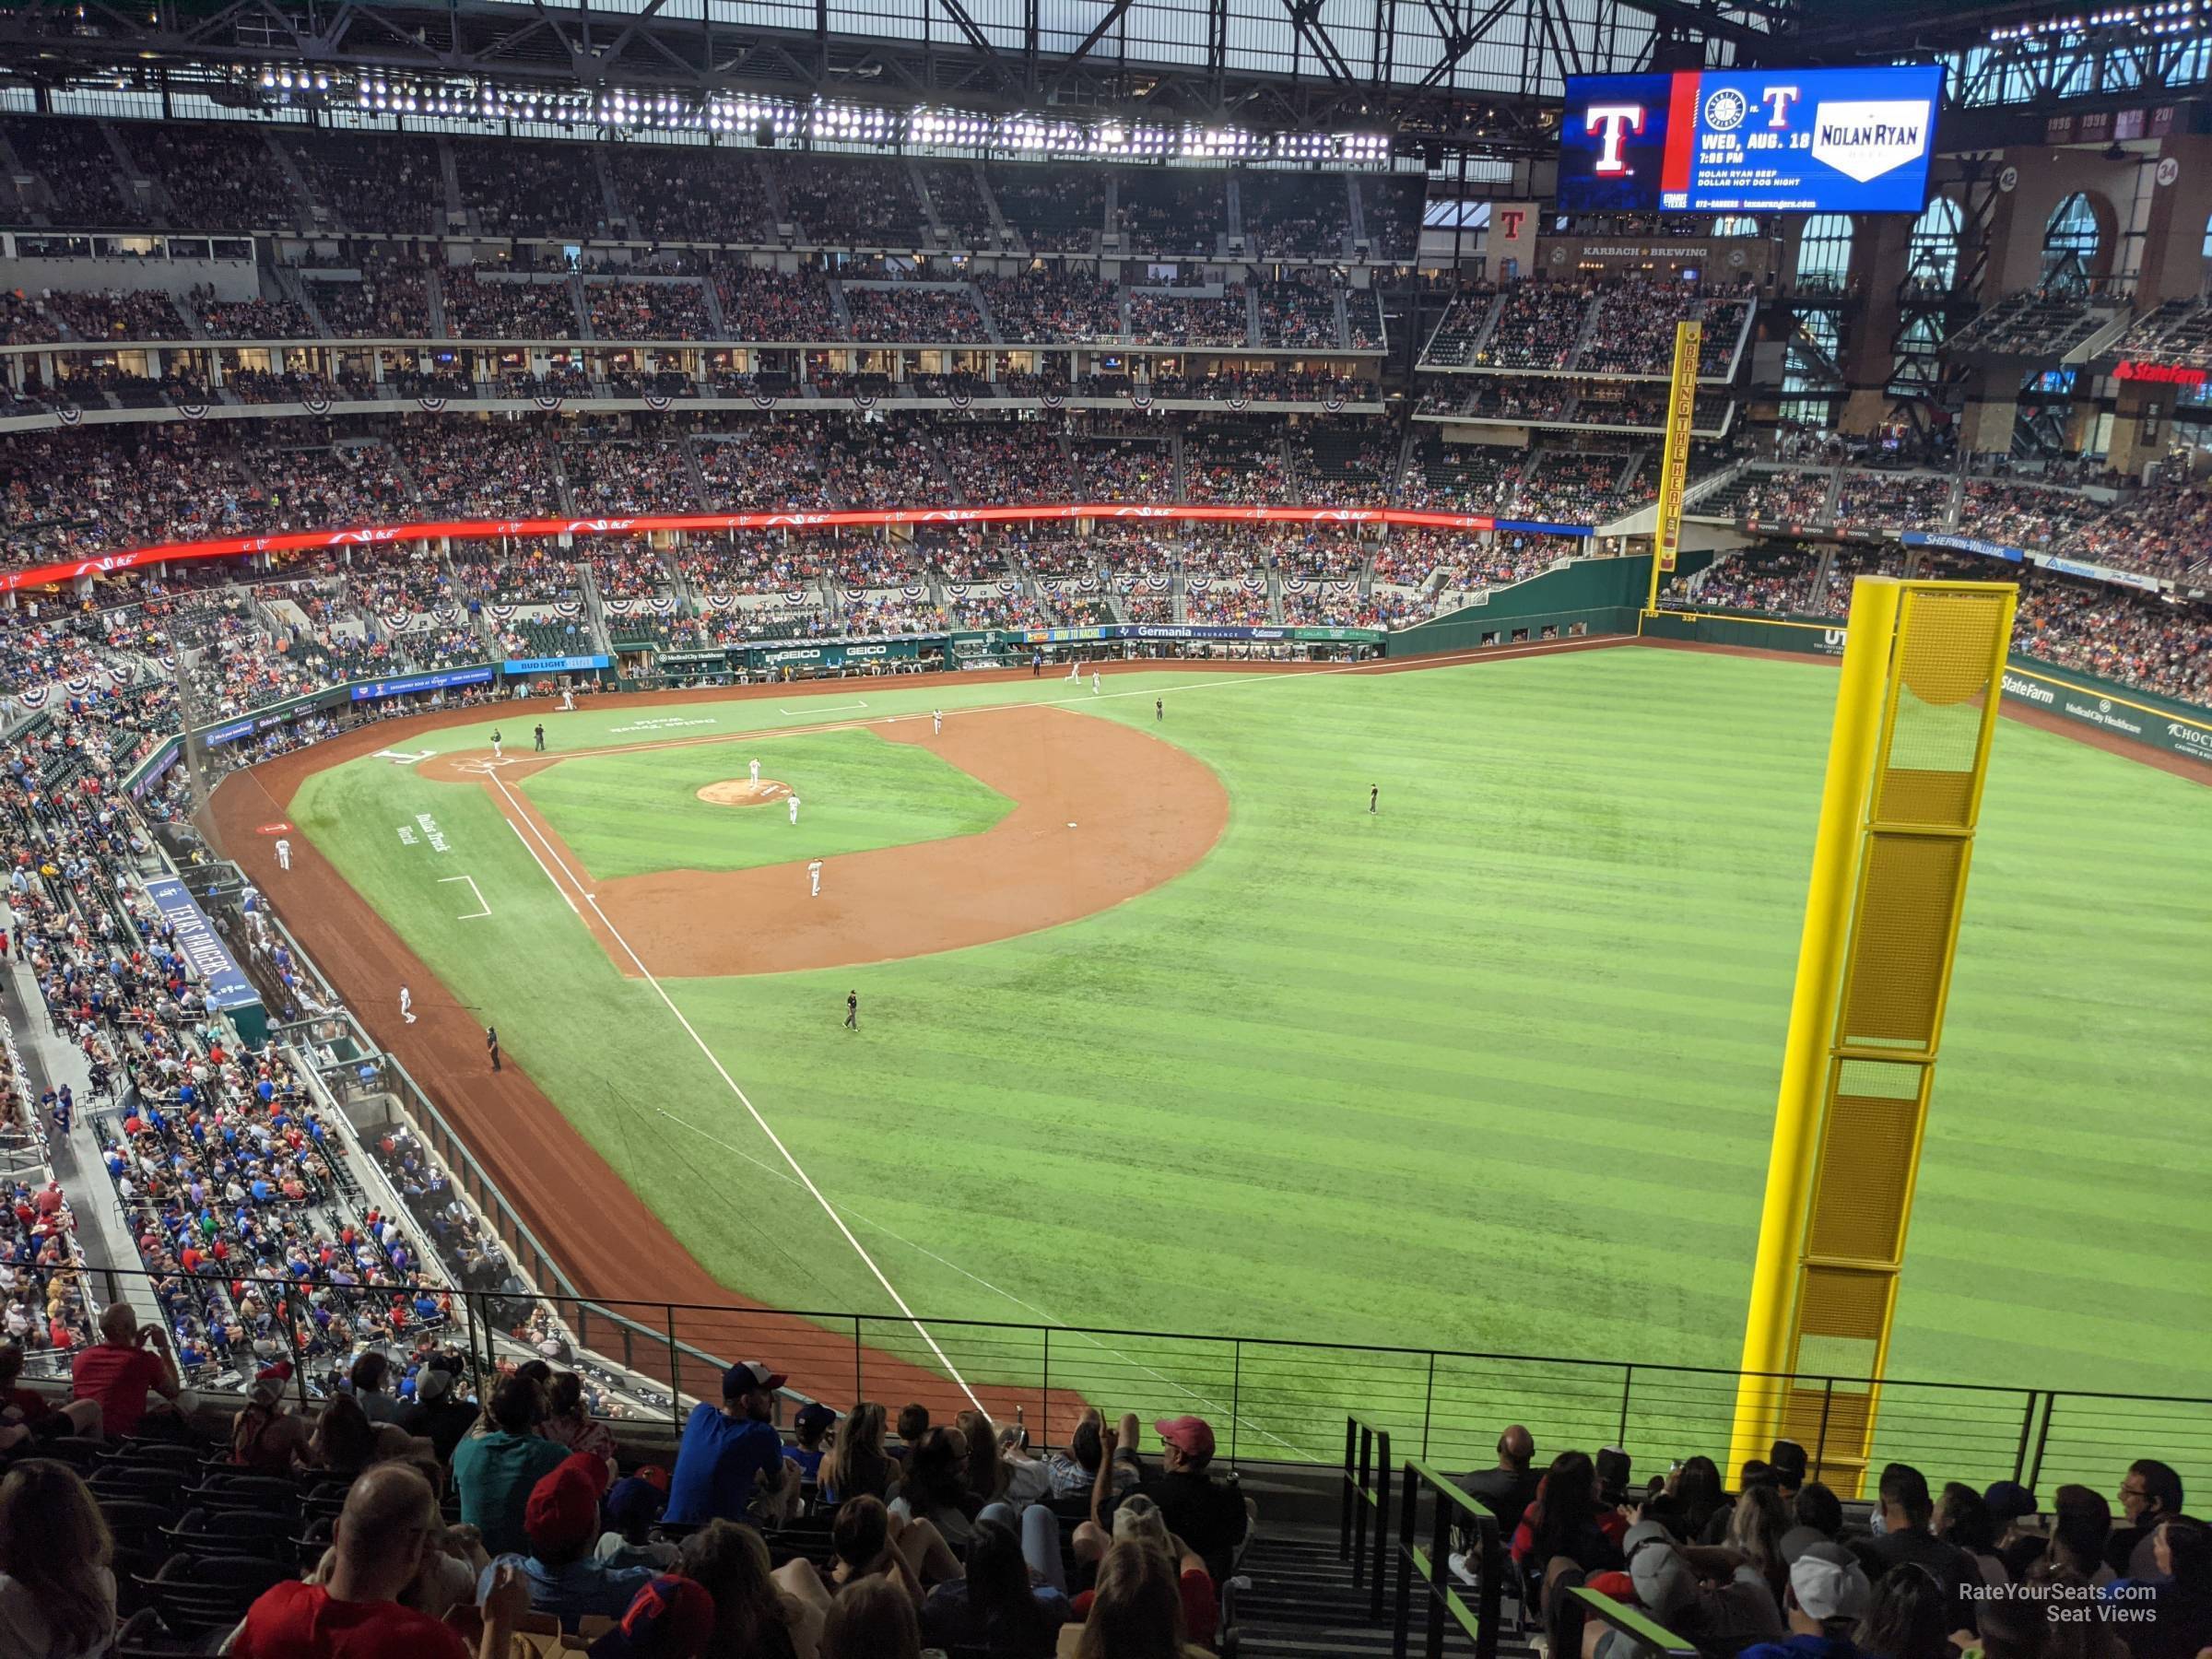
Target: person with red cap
x=353, y=1612
x=564, y=1578
x=1205, y=1513
x=731, y=1454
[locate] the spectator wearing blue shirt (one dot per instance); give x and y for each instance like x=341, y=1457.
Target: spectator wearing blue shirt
x=1828, y=1594
x=730, y=1455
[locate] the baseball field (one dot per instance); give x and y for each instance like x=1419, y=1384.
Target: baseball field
x=1161, y=1029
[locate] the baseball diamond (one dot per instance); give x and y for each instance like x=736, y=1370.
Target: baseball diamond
x=1168, y=1014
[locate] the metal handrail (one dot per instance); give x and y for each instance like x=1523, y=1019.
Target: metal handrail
x=1359, y=1500
x=1431, y=1566
x=1648, y=1633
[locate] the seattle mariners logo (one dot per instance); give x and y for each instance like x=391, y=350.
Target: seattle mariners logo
x=1725, y=110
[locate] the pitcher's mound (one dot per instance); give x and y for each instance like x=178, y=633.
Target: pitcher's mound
x=744, y=792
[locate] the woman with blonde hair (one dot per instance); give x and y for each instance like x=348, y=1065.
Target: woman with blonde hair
x=856, y=1464
x=1755, y=1532
x=1135, y=1612
x=57, y=1589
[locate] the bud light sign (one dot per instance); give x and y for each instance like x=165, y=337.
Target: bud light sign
x=1750, y=141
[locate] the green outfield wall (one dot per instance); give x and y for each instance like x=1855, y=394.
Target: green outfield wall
x=2129, y=711
x=1585, y=596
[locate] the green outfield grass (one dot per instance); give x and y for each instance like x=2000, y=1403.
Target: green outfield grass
x=633, y=813
x=1494, y=1070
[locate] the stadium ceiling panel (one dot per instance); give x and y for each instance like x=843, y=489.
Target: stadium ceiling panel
x=1019, y=50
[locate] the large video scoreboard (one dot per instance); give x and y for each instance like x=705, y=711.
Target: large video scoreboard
x=1750, y=141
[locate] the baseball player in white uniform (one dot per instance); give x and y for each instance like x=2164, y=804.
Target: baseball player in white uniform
x=568, y=700
x=755, y=770
x=1094, y=682
x=936, y=723
x=794, y=808
x=284, y=854
x=813, y=879
x=495, y=745
x=1075, y=671
x=406, y=1010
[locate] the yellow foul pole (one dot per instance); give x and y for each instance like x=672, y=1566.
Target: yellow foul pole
x=1674, y=458
x=1771, y=1324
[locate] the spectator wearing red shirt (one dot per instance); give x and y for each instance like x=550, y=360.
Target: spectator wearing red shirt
x=118, y=1371
x=354, y=1611
x=29, y=1408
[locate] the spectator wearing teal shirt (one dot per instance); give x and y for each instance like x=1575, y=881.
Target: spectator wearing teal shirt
x=495, y=1471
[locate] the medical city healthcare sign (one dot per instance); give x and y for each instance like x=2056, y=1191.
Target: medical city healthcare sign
x=1750, y=141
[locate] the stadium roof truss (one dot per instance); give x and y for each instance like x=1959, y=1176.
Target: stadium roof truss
x=1447, y=69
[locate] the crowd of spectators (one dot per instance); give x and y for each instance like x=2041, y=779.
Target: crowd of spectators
x=394, y=184
x=910, y=311
x=492, y=307
x=690, y=194
x=1053, y=304
x=390, y=300
x=1299, y=311
x=958, y=197
x=255, y=319
x=1883, y=500
x=2023, y=515
x=758, y=303
x=610, y=474
x=1295, y=216
x=1538, y=327
x=670, y=309
x=1164, y=317
x=848, y=200
x=1055, y=208
x=117, y=314
x=526, y=189
x=1241, y=463
x=83, y=185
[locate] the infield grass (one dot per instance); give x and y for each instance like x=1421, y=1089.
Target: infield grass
x=636, y=813
x=1492, y=1070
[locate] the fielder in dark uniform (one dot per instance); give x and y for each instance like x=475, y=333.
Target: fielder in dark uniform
x=1374, y=793
x=852, y=1010
x=540, y=734
x=1159, y=710
x=491, y=1045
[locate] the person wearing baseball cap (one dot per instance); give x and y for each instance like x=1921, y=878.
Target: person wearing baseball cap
x=632, y=1509
x=1827, y=1596
x=1206, y=1515
x=564, y=1578
x=669, y=1618
x=730, y=1453
x=1709, y=1596
x=810, y=1430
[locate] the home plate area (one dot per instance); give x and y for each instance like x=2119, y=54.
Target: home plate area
x=744, y=792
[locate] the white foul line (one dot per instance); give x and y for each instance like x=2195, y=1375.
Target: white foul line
x=857, y=704
x=541, y=865
x=745, y=1100
x=482, y=909
x=1043, y=1314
